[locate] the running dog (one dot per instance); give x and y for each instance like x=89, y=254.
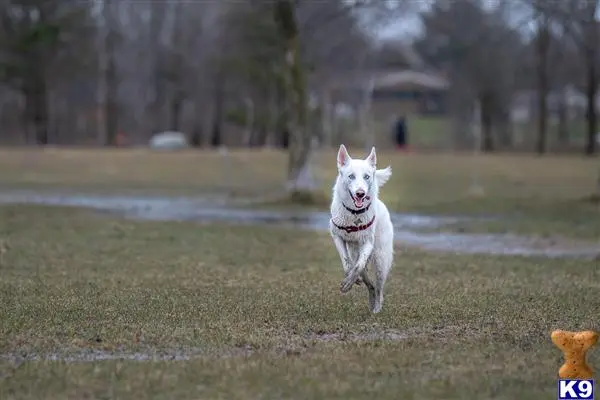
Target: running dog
x=360, y=224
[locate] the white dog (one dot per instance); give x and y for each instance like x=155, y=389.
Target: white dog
x=360, y=224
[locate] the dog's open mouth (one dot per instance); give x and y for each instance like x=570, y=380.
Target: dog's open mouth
x=359, y=202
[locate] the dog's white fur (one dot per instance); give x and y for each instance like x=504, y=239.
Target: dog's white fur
x=373, y=245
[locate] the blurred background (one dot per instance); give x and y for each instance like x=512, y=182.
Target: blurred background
x=114, y=73
x=510, y=76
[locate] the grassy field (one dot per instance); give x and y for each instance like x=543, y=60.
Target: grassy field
x=542, y=195
x=260, y=308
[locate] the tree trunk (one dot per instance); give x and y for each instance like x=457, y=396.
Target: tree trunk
x=175, y=112
x=154, y=108
x=111, y=111
x=326, y=115
x=282, y=133
x=216, y=138
x=108, y=107
x=505, y=134
x=249, y=123
x=487, y=144
x=196, y=139
x=39, y=113
x=299, y=176
x=563, y=133
x=543, y=42
x=285, y=138
x=592, y=84
x=36, y=109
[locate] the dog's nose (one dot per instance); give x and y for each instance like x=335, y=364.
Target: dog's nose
x=360, y=193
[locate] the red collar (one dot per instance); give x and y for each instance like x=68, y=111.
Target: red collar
x=350, y=229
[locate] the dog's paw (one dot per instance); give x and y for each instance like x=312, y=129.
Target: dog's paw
x=347, y=283
x=376, y=308
x=375, y=302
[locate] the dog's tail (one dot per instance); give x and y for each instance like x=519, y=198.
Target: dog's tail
x=383, y=175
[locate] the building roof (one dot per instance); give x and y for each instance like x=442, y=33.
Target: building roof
x=391, y=79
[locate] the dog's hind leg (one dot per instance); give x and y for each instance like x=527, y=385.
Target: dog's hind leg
x=370, y=288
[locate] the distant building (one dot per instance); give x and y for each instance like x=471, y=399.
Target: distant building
x=394, y=91
x=408, y=92
x=389, y=94
x=394, y=82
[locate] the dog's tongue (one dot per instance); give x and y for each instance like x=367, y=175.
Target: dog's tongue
x=358, y=203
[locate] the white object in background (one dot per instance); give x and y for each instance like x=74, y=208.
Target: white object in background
x=169, y=140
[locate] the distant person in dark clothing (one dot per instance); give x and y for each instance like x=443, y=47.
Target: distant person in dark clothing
x=400, y=133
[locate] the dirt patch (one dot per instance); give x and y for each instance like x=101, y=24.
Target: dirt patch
x=391, y=335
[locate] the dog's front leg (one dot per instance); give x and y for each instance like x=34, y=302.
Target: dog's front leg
x=363, y=256
x=340, y=245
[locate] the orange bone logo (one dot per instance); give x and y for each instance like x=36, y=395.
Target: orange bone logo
x=574, y=345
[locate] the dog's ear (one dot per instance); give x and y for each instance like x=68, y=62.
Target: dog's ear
x=372, y=159
x=343, y=158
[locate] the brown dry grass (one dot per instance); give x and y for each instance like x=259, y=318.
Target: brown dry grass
x=257, y=302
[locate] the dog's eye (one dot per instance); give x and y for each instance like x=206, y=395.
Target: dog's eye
x=351, y=176
x=366, y=177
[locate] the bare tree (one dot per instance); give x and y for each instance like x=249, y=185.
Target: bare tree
x=479, y=52
x=542, y=47
x=578, y=19
x=107, y=89
x=294, y=77
x=33, y=38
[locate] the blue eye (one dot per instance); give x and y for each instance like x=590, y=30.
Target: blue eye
x=366, y=177
x=351, y=176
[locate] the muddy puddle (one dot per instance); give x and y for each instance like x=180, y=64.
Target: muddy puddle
x=406, y=225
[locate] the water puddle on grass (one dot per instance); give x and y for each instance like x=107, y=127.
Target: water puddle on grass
x=103, y=355
x=93, y=355
x=78, y=355
x=406, y=225
x=297, y=346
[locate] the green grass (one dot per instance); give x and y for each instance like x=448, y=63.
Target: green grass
x=256, y=303
x=429, y=132
x=436, y=132
x=541, y=195
x=577, y=135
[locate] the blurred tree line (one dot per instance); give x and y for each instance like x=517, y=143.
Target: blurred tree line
x=86, y=72
x=490, y=54
x=83, y=72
